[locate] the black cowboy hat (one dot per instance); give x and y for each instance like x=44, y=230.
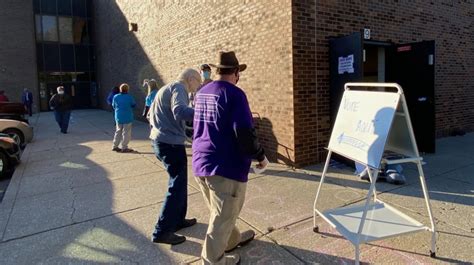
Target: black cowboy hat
x=228, y=60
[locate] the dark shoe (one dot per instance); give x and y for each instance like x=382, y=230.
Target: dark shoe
x=246, y=237
x=116, y=149
x=127, y=150
x=187, y=223
x=169, y=238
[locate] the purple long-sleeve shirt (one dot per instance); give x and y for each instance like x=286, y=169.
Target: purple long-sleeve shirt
x=220, y=109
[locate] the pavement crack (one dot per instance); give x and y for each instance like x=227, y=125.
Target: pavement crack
x=73, y=206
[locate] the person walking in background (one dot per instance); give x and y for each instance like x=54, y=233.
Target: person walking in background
x=61, y=103
x=3, y=98
x=110, y=97
x=224, y=144
x=205, y=74
x=167, y=113
x=123, y=105
x=115, y=90
x=152, y=87
x=27, y=99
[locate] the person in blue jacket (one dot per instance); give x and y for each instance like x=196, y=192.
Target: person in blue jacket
x=123, y=105
x=152, y=90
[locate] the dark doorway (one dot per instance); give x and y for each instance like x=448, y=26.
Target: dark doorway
x=412, y=67
x=345, y=57
x=409, y=65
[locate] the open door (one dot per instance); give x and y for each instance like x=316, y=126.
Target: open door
x=345, y=60
x=412, y=67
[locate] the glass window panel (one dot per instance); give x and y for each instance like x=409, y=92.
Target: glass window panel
x=50, y=29
x=51, y=57
x=90, y=31
x=53, y=77
x=89, y=8
x=92, y=58
x=79, y=8
x=82, y=77
x=67, y=58
x=39, y=33
x=65, y=30
x=82, y=58
x=39, y=56
x=80, y=30
x=93, y=77
x=64, y=7
x=37, y=6
x=48, y=7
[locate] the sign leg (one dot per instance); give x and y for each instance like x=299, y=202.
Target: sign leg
x=357, y=254
x=428, y=207
x=323, y=176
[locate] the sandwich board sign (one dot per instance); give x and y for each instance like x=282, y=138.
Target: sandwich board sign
x=367, y=124
x=363, y=124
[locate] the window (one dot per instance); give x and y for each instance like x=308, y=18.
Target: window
x=67, y=57
x=51, y=57
x=65, y=30
x=50, y=29
x=80, y=31
x=64, y=7
x=39, y=55
x=48, y=6
x=36, y=6
x=79, y=8
x=39, y=32
x=82, y=58
x=92, y=58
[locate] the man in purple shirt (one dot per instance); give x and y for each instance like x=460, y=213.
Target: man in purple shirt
x=224, y=144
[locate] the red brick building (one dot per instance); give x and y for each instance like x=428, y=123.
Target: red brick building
x=290, y=46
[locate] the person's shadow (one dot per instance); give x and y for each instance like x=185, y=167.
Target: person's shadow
x=274, y=150
x=71, y=209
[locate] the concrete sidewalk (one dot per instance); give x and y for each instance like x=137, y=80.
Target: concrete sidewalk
x=72, y=200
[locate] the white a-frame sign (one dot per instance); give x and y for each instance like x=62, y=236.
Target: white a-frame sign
x=369, y=123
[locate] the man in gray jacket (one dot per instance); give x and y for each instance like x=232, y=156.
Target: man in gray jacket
x=168, y=113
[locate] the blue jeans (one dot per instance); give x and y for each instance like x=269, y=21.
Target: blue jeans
x=173, y=211
x=62, y=118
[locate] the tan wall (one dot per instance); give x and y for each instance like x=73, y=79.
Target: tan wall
x=17, y=49
x=172, y=36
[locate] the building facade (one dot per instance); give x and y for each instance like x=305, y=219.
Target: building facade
x=291, y=48
x=17, y=49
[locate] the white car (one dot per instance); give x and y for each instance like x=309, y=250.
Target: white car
x=20, y=131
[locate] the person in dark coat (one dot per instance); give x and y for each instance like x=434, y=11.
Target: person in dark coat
x=27, y=99
x=61, y=103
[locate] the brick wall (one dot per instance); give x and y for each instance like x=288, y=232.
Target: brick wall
x=173, y=35
x=17, y=49
x=450, y=25
x=306, y=100
x=285, y=44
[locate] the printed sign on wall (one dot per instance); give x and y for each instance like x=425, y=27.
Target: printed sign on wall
x=346, y=64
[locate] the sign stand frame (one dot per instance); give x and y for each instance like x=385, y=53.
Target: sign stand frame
x=350, y=221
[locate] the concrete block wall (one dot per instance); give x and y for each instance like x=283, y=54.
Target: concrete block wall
x=18, y=50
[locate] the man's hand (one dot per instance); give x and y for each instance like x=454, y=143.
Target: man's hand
x=261, y=166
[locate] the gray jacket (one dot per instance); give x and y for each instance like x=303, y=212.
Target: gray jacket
x=168, y=112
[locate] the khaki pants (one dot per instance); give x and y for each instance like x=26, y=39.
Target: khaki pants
x=123, y=133
x=224, y=198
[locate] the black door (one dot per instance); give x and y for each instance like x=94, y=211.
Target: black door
x=345, y=62
x=412, y=67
